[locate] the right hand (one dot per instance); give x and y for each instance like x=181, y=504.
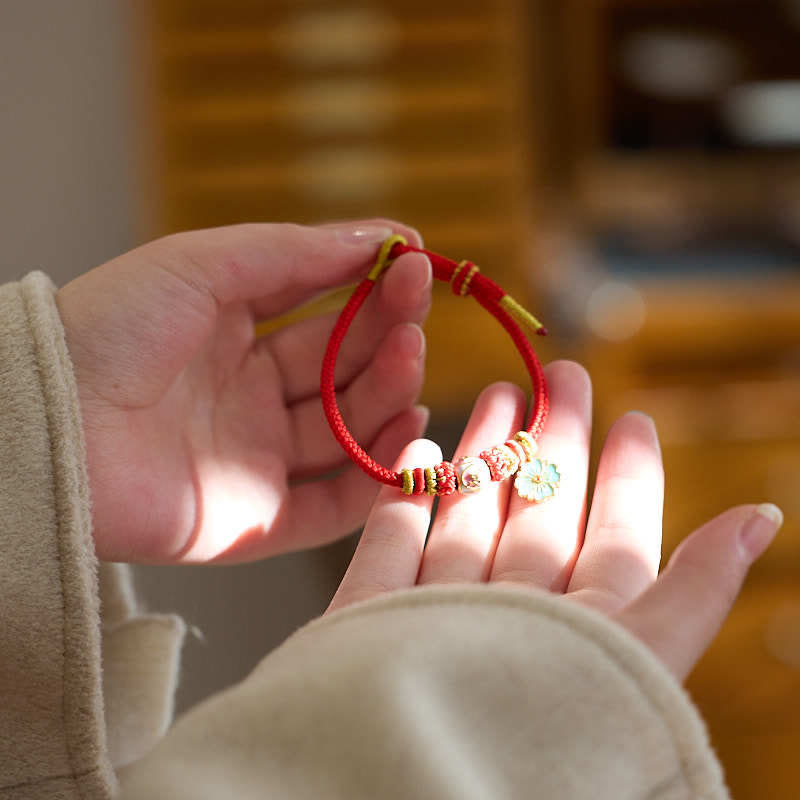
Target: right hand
x=207, y=443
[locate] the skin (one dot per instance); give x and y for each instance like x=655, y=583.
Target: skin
x=207, y=444
x=608, y=561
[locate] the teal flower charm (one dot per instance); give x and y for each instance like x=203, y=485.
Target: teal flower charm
x=537, y=480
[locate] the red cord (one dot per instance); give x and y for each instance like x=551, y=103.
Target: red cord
x=469, y=281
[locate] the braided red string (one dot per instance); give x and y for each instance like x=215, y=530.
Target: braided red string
x=488, y=294
x=328, y=390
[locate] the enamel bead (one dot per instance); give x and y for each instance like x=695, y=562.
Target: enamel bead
x=537, y=480
x=472, y=474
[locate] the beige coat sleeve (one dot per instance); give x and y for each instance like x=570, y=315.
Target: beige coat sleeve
x=58, y=610
x=454, y=692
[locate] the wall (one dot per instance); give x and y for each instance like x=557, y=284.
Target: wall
x=66, y=177
x=70, y=176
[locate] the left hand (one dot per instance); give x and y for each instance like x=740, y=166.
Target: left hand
x=609, y=562
x=206, y=443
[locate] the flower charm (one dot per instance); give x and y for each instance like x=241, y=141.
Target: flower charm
x=472, y=473
x=537, y=480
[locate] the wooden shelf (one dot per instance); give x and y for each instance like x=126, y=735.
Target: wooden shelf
x=653, y=190
x=316, y=111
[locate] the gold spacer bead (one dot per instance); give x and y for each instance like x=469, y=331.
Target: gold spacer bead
x=527, y=443
x=430, y=480
x=408, y=481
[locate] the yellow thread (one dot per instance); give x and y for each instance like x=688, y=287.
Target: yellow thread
x=430, y=480
x=263, y=329
x=383, y=256
x=474, y=270
x=523, y=315
x=456, y=271
x=408, y=481
x=527, y=442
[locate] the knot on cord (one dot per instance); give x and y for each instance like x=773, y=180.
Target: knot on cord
x=384, y=259
x=463, y=275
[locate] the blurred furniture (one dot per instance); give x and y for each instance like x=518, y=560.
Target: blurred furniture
x=648, y=144
x=673, y=260
x=315, y=111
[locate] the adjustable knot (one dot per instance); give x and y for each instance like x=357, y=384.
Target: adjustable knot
x=383, y=260
x=463, y=276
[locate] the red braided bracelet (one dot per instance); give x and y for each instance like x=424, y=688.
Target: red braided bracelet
x=536, y=479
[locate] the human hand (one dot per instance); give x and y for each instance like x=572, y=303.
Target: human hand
x=206, y=443
x=609, y=563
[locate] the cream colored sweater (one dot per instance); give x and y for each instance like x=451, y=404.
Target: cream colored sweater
x=464, y=692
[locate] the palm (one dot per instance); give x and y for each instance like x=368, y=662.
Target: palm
x=206, y=443
x=608, y=561
x=220, y=432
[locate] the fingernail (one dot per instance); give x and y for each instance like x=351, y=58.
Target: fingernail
x=363, y=234
x=761, y=528
x=422, y=286
x=412, y=341
x=419, y=236
x=425, y=413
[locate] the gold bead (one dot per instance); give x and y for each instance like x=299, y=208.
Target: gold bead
x=430, y=480
x=527, y=442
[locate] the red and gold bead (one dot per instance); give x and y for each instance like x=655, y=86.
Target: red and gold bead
x=512, y=459
x=501, y=461
x=445, y=478
x=495, y=461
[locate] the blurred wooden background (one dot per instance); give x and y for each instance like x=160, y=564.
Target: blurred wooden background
x=611, y=161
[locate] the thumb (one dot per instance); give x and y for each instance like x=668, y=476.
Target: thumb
x=274, y=267
x=679, y=615
x=141, y=317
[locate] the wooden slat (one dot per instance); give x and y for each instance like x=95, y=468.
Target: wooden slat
x=286, y=35
x=374, y=100
x=176, y=16
x=213, y=144
x=343, y=173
